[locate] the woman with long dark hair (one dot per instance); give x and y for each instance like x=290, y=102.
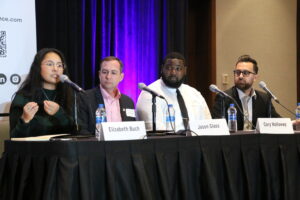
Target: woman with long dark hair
x=43, y=105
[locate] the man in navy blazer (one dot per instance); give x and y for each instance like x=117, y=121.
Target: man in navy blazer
x=119, y=107
x=254, y=104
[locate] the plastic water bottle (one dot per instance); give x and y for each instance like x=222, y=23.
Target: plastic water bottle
x=232, y=123
x=100, y=117
x=298, y=116
x=170, y=118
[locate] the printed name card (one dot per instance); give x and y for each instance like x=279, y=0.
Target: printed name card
x=133, y=130
x=274, y=125
x=210, y=127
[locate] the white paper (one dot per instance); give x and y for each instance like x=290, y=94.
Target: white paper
x=37, y=138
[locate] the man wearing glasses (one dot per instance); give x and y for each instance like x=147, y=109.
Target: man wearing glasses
x=188, y=103
x=254, y=103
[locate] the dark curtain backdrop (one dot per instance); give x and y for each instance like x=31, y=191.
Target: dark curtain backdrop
x=139, y=32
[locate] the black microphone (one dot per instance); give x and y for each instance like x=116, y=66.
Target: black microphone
x=142, y=86
x=263, y=86
x=65, y=79
x=215, y=89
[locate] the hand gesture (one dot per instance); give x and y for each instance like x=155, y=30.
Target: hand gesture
x=29, y=111
x=51, y=107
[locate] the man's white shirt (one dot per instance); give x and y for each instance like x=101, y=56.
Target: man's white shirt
x=195, y=103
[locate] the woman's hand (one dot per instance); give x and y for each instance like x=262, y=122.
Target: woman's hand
x=29, y=111
x=51, y=107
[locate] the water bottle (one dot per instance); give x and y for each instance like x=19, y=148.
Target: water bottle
x=100, y=117
x=170, y=118
x=232, y=123
x=297, y=117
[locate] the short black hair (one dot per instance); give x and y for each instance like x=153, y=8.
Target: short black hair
x=174, y=55
x=247, y=58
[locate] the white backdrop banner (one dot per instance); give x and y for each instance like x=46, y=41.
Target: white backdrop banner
x=17, y=46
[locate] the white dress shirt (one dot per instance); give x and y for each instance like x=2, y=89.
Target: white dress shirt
x=194, y=102
x=249, y=105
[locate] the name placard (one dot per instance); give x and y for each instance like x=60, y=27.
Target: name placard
x=210, y=127
x=132, y=130
x=274, y=125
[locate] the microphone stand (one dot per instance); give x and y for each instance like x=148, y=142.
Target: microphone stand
x=187, y=125
x=75, y=113
x=270, y=107
x=153, y=113
x=76, y=131
x=223, y=107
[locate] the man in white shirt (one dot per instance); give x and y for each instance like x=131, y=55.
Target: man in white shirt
x=171, y=86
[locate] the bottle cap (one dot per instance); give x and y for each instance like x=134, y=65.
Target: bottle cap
x=101, y=106
x=298, y=104
x=231, y=105
x=170, y=105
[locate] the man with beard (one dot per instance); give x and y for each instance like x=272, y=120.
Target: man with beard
x=188, y=103
x=254, y=103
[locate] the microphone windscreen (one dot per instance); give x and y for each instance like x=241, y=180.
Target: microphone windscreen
x=262, y=84
x=213, y=88
x=141, y=86
x=63, y=78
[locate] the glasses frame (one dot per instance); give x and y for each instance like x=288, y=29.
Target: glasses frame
x=51, y=64
x=245, y=73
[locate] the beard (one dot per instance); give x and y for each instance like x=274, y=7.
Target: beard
x=243, y=85
x=172, y=83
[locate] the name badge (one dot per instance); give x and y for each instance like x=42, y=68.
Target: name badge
x=210, y=127
x=274, y=125
x=130, y=112
x=132, y=130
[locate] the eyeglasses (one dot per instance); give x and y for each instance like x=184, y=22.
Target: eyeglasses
x=244, y=72
x=51, y=64
x=176, y=68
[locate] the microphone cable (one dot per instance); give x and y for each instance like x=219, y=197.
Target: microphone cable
x=263, y=86
x=291, y=112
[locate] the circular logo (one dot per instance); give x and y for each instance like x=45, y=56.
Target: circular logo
x=2, y=79
x=15, y=79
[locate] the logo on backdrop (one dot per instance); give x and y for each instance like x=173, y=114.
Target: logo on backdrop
x=17, y=40
x=2, y=79
x=15, y=79
x=3, y=50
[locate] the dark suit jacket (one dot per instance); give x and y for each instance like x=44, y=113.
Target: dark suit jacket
x=260, y=107
x=88, y=103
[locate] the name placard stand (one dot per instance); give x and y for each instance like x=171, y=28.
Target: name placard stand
x=210, y=127
x=274, y=126
x=132, y=130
